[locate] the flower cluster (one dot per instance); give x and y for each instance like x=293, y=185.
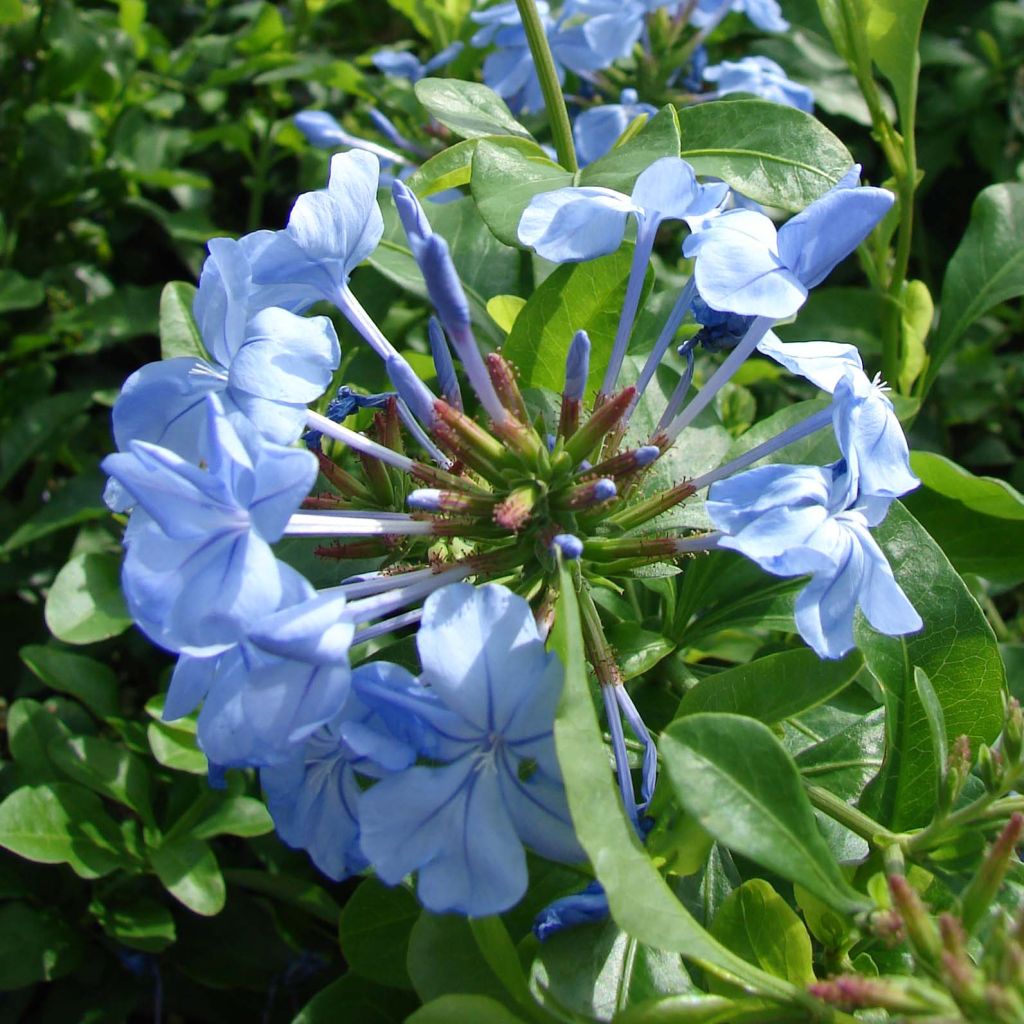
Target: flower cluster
x=452, y=772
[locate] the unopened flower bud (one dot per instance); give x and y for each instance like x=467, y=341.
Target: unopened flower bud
x=990, y=767
x=570, y=546
x=584, y=495
x=577, y=366
x=958, y=768
x=414, y=220
x=447, y=381
x=922, y=934
x=1013, y=731
x=604, y=419
x=855, y=992
x=983, y=888
x=515, y=511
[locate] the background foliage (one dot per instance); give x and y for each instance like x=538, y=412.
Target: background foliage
x=132, y=133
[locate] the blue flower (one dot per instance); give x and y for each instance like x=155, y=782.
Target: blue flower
x=573, y=224
x=402, y=64
x=267, y=365
x=596, y=130
x=743, y=265
x=329, y=233
x=199, y=569
x=762, y=77
x=765, y=14
x=324, y=131
x=314, y=795
x=587, y=907
x=489, y=692
x=800, y=520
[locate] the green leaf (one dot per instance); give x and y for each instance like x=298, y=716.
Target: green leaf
x=31, y=729
x=503, y=310
x=61, y=823
x=374, y=932
x=444, y=959
x=977, y=520
x=35, y=945
x=449, y=169
x=894, y=34
x=597, y=971
x=758, y=924
x=641, y=902
x=986, y=269
x=179, y=334
x=620, y=168
x=916, y=313
x=143, y=924
x=243, y=816
x=506, y=175
x=17, y=291
x=106, y=768
x=85, y=602
x=637, y=650
x=772, y=688
x=32, y=429
x=176, y=748
x=773, y=154
x=85, y=679
x=297, y=892
x=696, y=1009
x=575, y=297
x=956, y=649
x=468, y=109
x=355, y=999
x=735, y=778
x=77, y=501
x=463, y=1009
x=189, y=872
x=936, y=725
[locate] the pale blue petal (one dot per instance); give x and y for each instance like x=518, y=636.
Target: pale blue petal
x=738, y=268
x=314, y=630
x=573, y=224
x=823, y=363
x=221, y=305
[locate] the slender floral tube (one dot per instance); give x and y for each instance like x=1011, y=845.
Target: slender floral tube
x=342, y=524
x=755, y=332
x=358, y=442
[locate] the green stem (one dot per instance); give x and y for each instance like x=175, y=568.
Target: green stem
x=850, y=817
x=554, y=101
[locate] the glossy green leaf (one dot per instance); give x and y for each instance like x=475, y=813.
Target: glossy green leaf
x=31, y=729
x=735, y=778
x=758, y=924
x=61, y=823
x=936, y=725
x=463, y=1009
x=638, y=650
x=894, y=34
x=106, y=768
x=449, y=169
x=695, y=1009
x=179, y=334
x=296, y=892
x=956, y=649
x=176, y=748
x=977, y=520
x=469, y=109
x=575, y=297
x=773, y=154
x=85, y=679
x=374, y=931
x=18, y=291
x=598, y=971
x=445, y=959
x=641, y=902
x=772, y=688
x=916, y=313
x=143, y=924
x=986, y=269
x=85, y=602
x=75, y=502
x=506, y=175
x=619, y=168
x=190, y=873
x=355, y=999
x=234, y=815
x=35, y=945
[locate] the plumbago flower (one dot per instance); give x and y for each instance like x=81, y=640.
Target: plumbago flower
x=474, y=511
x=762, y=77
